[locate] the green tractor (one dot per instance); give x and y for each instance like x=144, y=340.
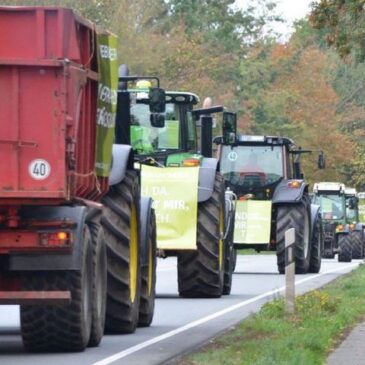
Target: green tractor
x=330, y=196
x=353, y=221
x=172, y=144
x=265, y=174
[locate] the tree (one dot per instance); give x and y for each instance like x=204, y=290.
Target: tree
x=344, y=24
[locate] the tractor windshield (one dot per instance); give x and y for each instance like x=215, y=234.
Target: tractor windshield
x=252, y=167
x=146, y=139
x=332, y=206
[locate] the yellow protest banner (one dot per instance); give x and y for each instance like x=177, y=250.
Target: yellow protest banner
x=252, y=222
x=175, y=195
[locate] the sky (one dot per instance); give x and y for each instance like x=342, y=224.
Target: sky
x=290, y=10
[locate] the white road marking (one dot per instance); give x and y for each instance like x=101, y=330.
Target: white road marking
x=152, y=341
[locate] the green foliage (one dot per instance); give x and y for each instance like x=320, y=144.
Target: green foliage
x=344, y=23
x=272, y=337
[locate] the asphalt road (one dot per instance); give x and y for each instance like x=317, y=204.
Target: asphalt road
x=179, y=325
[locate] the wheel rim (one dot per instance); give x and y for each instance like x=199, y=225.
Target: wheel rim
x=221, y=241
x=133, y=254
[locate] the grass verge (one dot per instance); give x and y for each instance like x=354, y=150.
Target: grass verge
x=270, y=337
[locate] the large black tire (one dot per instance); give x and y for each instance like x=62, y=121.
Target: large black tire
x=316, y=247
x=201, y=272
x=344, y=248
x=228, y=269
x=120, y=221
x=60, y=327
x=329, y=241
x=147, y=303
x=99, y=285
x=230, y=256
x=357, y=244
x=294, y=216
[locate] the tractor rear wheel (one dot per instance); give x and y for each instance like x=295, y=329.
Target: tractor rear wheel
x=60, y=327
x=120, y=222
x=316, y=249
x=147, y=303
x=294, y=216
x=357, y=245
x=344, y=248
x=99, y=283
x=201, y=272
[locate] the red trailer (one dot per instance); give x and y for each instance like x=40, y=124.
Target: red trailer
x=70, y=226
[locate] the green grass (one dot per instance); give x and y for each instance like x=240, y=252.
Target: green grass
x=271, y=337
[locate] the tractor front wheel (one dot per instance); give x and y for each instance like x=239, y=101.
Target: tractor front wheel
x=295, y=216
x=201, y=272
x=344, y=248
x=357, y=244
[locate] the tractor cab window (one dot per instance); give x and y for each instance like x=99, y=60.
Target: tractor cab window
x=252, y=167
x=145, y=138
x=332, y=206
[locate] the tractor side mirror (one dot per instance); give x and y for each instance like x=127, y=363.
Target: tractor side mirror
x=229, y=127
x=157, y=100
x=352, y=203
x=321, y=161
x=157, y=120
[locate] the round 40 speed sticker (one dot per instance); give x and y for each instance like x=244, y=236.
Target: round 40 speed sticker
x=39, y=169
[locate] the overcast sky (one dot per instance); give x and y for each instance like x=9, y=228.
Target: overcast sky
x=290, y=10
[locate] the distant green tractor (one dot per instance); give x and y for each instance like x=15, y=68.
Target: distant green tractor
x=330, y=196
x=265, y=173
x=343, y=232
x=173, y=136
x=353, y=220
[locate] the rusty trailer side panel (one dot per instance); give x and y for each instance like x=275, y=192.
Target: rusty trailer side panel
x=48, y=93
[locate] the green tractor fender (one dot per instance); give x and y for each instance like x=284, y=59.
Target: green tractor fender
x=289, y=191
x=207, y=172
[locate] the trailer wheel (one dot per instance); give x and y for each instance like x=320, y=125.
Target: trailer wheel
x=201, y=272
x=344, y=248
x=294, y=216
x=316, y=249
x=357, y=245
x=99, y=283
x=147, y=303
x=120, y=221
x=52, y=327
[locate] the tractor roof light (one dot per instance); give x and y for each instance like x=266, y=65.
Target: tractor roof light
x=191, y=162
x=252, y=138
x=295, y=184
x=352, y=226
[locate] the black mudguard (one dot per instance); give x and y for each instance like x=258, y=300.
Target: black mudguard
x=207, y=172
x=145, y=216
x=284, y=194
x=52, y=261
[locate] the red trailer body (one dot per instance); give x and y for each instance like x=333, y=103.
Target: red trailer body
x=48, y=98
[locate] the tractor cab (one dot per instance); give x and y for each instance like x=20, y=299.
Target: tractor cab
x=256, y=164
x=330, y=196
x=163, y=125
